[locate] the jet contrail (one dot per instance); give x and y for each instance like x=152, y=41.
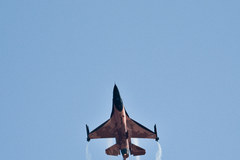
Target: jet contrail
x=88, y=155
x=136, y=142
x=159, y=152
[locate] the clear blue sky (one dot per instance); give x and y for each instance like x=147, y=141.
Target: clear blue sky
x=176, y=63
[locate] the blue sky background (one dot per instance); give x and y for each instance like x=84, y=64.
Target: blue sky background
x=176, y=64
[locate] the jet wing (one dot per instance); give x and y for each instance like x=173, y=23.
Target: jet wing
x=105, y=130
x=139, y=131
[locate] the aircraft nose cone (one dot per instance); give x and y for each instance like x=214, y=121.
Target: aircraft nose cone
x=116, y=93
x=117, y=101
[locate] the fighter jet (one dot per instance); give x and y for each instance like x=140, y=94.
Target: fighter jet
x=121, y=127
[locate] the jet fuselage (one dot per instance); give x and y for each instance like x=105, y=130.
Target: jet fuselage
x=120, y=119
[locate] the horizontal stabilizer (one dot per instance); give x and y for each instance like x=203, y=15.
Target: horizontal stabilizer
x=113, y=150
x=136, y=150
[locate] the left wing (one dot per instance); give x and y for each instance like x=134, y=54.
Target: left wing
x=139, y=131
x=105, y=130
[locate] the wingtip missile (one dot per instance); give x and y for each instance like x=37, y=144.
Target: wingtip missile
x=87, y=129
x=155, y=131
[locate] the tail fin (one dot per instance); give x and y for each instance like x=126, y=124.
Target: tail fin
x=113, y=150
x=136, y=150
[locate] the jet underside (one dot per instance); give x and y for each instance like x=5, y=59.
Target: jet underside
x=121, y=127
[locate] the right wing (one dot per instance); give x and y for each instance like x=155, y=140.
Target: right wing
x=139, y=131
x=105, y=130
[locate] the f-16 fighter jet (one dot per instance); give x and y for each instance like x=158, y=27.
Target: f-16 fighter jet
x=121, y=127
